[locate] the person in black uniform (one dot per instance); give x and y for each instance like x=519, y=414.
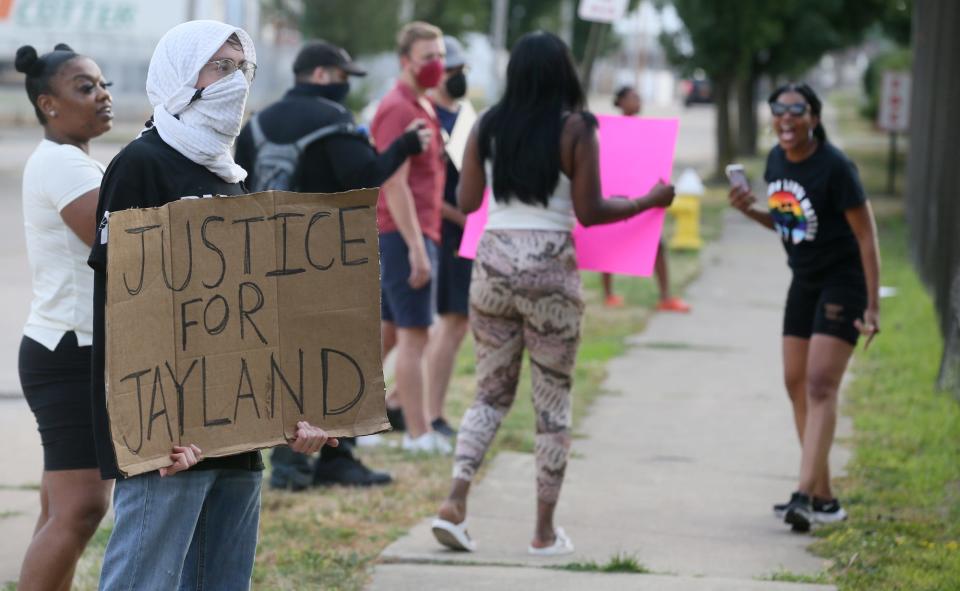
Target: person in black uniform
x=334, y=163
x=816, y=204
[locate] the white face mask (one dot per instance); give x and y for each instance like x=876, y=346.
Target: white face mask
x=220, y=106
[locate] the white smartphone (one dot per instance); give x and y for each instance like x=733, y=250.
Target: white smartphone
x=737, y=176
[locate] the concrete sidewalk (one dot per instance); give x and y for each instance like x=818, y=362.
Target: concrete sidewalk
x=681, y=463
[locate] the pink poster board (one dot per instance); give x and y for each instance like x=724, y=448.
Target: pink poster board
x=635, y=153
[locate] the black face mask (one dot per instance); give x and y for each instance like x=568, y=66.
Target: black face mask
x=457, y=85
x=336, y=91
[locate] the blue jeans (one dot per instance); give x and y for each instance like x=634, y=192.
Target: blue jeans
x=194, y=530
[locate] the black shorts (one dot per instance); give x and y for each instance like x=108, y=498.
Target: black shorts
x=453, y=279
x=56, y=385
x=828, y=305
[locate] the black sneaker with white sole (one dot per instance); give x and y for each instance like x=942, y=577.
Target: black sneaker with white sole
x=441, y=426
x=780, y=509
x=799, y=513
x=828, y=511
x=824, y=511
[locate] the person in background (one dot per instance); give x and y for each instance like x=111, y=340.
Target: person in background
x=194, y=523
x=453, y=275
x=338, y=162
x=817, y=207
x=628, y=101
x=540, y=152
x=408, y=219
x=61, y=184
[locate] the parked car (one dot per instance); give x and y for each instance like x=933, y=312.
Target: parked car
x=697, y=91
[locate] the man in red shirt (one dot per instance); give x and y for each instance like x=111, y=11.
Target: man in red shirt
x=408, y=218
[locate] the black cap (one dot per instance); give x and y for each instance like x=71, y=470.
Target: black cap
x=320, y=54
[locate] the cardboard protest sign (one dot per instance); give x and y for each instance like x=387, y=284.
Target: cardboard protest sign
x=635, y=153
x=229, y=319
x=457, y=144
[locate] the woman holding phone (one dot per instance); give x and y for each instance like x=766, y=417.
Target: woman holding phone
x=817, y=206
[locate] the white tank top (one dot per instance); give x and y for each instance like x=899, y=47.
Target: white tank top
x=558, y=215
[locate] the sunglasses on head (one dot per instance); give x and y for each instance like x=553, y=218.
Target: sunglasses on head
x=796, y=109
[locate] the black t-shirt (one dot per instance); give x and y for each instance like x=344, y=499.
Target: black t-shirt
x=452, y=233
x=146, y=173
x=808, y=201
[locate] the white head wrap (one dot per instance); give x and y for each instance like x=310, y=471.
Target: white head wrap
x=203, y=130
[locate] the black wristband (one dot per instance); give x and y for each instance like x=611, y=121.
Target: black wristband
x=411, y=143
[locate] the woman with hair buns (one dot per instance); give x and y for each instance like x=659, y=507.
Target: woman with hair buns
x=61, y=185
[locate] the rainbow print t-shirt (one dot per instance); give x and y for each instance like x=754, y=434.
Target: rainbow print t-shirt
x=808, y=201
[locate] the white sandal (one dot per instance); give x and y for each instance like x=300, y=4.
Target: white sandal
x=562, y=545
x=453, y=535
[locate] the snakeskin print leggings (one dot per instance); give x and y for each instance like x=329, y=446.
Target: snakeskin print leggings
x=524, y=293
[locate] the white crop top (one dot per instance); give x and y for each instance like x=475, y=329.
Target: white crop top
x=558, y=215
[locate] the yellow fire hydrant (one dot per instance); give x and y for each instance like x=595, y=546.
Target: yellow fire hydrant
x=686, y=212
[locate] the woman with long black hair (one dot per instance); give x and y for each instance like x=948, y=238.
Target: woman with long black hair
x=817, y=206
x=61, y=183
x=540, y=150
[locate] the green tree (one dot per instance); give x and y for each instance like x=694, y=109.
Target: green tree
x=711, y=40
x=370, y=26
x=736, y=43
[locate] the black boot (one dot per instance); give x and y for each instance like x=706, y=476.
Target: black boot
x=290, y=470
x=395, y=416
x=338, y=466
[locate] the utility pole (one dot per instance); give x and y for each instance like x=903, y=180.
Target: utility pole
x=498, y=36
x=568, y=15
x=594, y=39
x=406, y=12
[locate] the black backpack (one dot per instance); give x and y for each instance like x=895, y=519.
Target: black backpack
x=276, y=166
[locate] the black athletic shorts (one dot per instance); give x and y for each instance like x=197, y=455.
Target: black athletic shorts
x=453, y=279
x=56, y=385
x=826, y=305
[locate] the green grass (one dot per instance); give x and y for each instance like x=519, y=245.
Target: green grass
x=903, y=483
x=619, y=563
x=785, y=576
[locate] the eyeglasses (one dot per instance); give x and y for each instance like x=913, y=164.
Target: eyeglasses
x=227, y=66
x=780, y=109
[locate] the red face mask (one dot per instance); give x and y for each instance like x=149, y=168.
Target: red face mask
x=430, y=74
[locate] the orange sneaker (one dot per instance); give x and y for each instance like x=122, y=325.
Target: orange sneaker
x=673, y=305
x=613, y=301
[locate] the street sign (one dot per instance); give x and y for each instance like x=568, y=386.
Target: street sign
x=602, y=11
x=895, y=102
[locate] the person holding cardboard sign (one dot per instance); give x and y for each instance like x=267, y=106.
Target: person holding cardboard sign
x=539, y=149
x=193, y=523
x=61, y=183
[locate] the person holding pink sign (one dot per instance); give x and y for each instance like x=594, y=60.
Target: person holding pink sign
x=628, y=101
x=541, y=152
